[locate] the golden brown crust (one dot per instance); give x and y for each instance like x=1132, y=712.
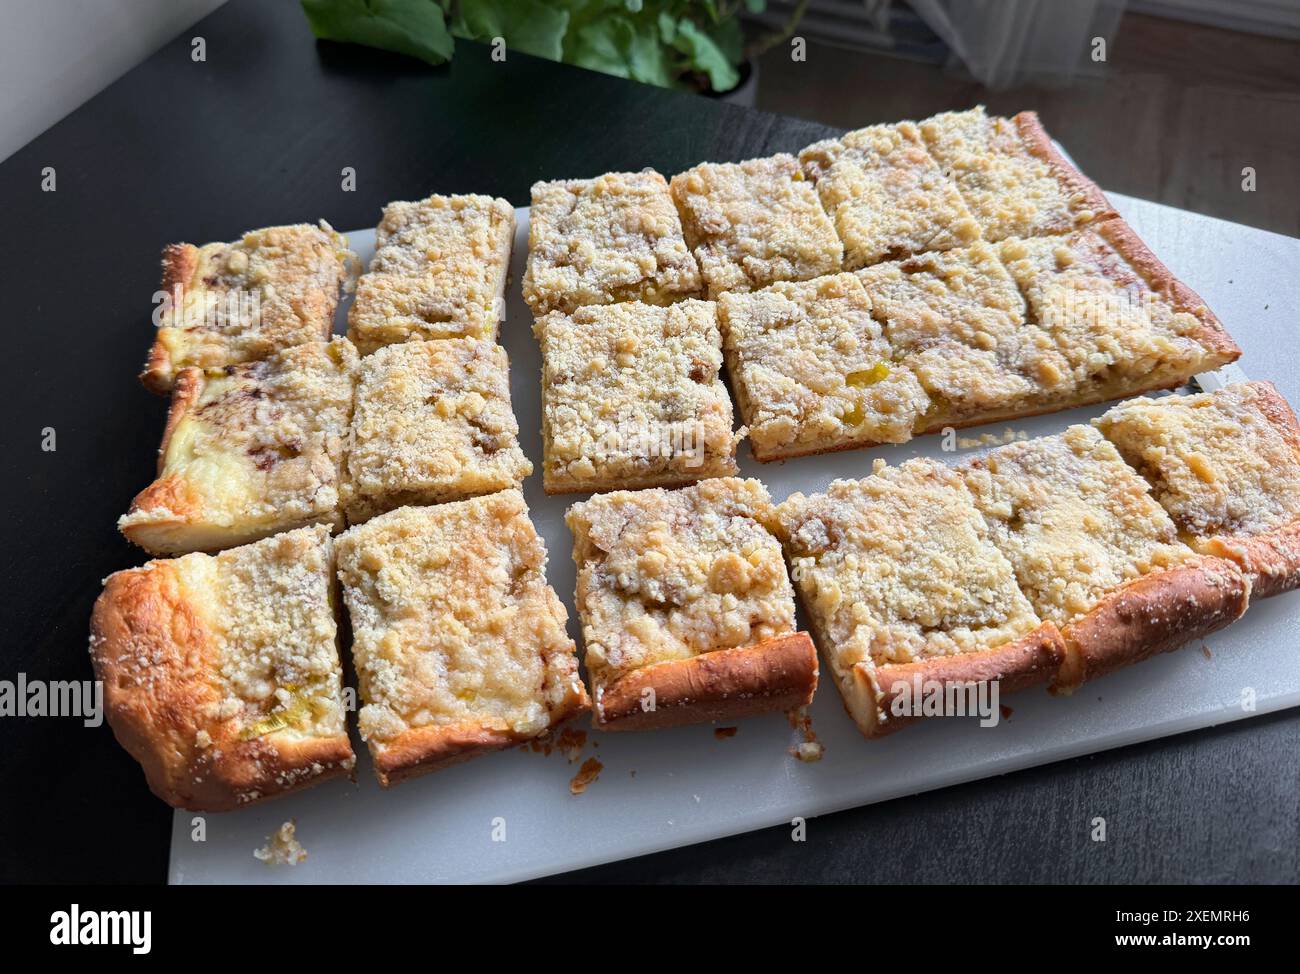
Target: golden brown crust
x=185, y=397
x=157, y=710
x=1031, y=659
x=417, y=752
x=1039, y=144
x=777, y=674
x=1161, y=280
x=1272, y=560
x=179, y=261
x=1153, y=614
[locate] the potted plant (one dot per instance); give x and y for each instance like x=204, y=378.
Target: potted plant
x=696, y=45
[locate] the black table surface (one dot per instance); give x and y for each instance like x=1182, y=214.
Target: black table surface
x=258, y=134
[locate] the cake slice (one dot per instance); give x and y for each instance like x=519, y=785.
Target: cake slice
x=1121, y=320
x=459, y=642
x=957, y=320
x=1012, y=178
x=631, y=397
x=1225, y=465
x=220, y=672
x=812, y=371
x=249, y=450
x=439, y=271
x=902, y=586
x=606, y=240
x=432, y=423
x=687, y=612
x=1096, y=555
x=886, y=195
x=755, y=222
x=227, y=303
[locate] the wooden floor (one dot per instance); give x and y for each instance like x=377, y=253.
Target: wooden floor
x=1176, y=115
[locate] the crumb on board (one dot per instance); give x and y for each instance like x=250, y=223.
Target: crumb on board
x=282, y=848
x=809, y=749
x=568, y=742
x=1206, y=650
x=722, y=733
x=1008, y=435
x=588, y=773
x=1006, y=711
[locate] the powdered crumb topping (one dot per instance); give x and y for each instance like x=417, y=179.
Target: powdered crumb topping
x=278, y=665
x=453, y=621
x=755, y=222
x=886, y=194
x=1111, y=327
x=272, y=289
x=432, y=423
x=439, y=271
x=1073, y=518
x=631, y=397
x=812, y=370
x=1217, y=462
x=1010, y=191
x=957, y=320
x=898, y=566
x=669, y=574
x=601, y=241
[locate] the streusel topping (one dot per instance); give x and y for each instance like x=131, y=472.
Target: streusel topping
x=886, y=194
x=601, y=241
x=670, y=574
x=439, y=271
x=1073, y=518
x=1010, y=191
x=432, y=423
x=1216, y=461
x=812, y=370
x=898, y=567
x=453, y=621
x=631, y=396
x=755, y=222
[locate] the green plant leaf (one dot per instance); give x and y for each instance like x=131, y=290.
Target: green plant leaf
x=412, y=27
x=530, y=26
x=755, y=6
x=621, y=46
x=704, y=55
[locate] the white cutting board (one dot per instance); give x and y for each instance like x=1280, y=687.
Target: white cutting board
x=662, y=789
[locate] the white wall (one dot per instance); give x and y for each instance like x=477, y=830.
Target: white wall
x=55, y=54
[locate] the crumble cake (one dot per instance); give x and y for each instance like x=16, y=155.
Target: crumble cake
x=755, y=222
x=1226, y=467
x=687, y=612
x=631, y=397
x=812, y=371
x=432, y=422
x=249, y=450
x=887, y=197
x=901, y=582
x=221, y=674
x=957, y=320
x=1096, y=555
x=458, y=640
x=1122, y=321
x=439, y=271
x=1012, y=178
x=613, y=238
x=228, y=303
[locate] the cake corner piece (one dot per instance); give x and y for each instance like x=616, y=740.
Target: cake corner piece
x=224, y=689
